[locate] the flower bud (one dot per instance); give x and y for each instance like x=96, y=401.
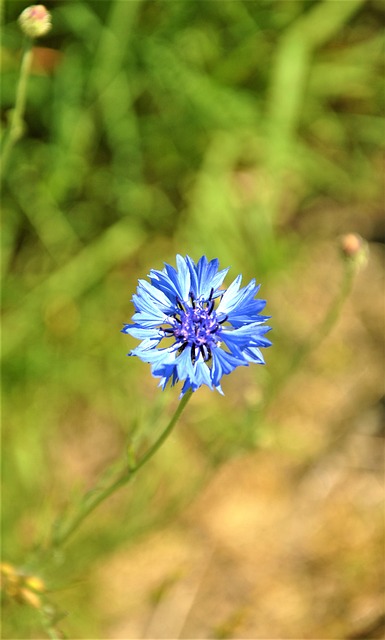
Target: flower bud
x=355, y=249
x=35, y=21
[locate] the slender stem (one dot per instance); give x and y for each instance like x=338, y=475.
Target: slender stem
x=317, y=336
x=96, y=497
x=335, y=308
x=1, y=12
x=16, y=124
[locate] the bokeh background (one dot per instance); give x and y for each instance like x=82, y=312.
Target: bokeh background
x=250, y=131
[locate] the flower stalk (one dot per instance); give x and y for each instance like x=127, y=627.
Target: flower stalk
x=16, y=126
x=350, y=264
x=95, y=497
x=34, y=21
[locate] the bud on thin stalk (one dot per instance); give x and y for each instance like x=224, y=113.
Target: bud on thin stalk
x=35, y=21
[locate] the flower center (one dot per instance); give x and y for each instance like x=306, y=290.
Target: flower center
x=195, y=326
x=198, y=325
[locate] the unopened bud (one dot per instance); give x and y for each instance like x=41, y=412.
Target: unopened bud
x=35, y=21
x=355, y=249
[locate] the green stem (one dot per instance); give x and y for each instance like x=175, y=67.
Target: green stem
x=16, y=124
x=317, y=337
x=1, y=12
x=93, y=499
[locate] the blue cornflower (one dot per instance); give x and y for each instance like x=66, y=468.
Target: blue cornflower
x=206, y=331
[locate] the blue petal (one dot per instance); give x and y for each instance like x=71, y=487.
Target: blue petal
x=253, y=354
x=225, y=304
x=205, y=277
x=147, y=311
x=161, y=281
x=141, y=333
x=187, y=385
x=174, y=284
x=166, y=371
x=149, y=320
x=147, y=291
x=183, y=277
x=180, y=280
x=149, y=343
x=234, y=297
x=223, y=364
x=261, y=341
x=248, y=335
x=194, y=284
x=200, y=375
x=247, y=311
x=184, y=364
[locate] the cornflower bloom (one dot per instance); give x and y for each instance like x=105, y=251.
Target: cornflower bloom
x=206, y=331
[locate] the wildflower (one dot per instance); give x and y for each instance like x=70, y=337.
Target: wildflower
x=23, y=588
x=35, y=21
x=206, y=331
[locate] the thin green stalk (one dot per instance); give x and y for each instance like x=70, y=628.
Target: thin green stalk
x=96, y=497
x=1, y=13
x=317, y=336
x=17, y=118
x=52, y=633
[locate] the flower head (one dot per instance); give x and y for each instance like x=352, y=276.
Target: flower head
x=205, y=331
x=35, y=21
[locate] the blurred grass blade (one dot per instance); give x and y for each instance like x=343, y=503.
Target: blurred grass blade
x=289, y=79
x=44, y=214
x=75, y=278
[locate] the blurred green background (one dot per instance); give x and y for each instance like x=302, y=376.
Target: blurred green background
x=250, y=131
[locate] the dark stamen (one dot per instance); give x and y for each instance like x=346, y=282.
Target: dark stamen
x=211, y=294
x=211, y=306
x=192, y=300
x=192, y=354
x=182, y=348
x=224, y=320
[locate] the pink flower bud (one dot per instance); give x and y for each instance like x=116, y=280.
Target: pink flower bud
x=354, y=248
x=35, y=21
